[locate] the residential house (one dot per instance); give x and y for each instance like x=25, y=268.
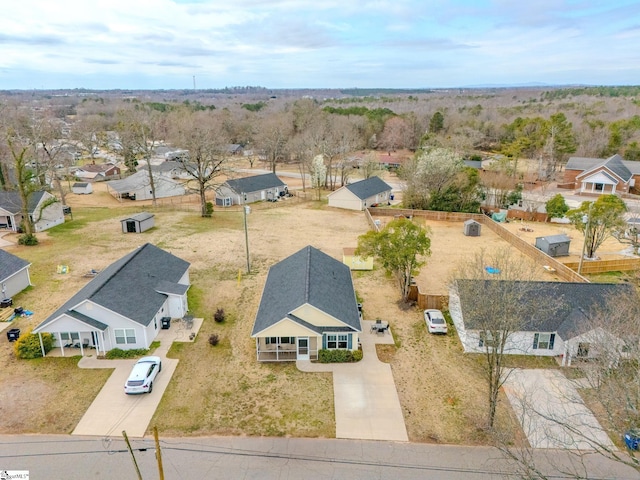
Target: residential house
x=597, y=176
x=82, y=188
x=96, y=172
x=44, y=211
x=137, y=187
x=122, y=307
x=245, y=190
x=170, y=169
x=234, y=149
x=360, y=195
x=14, y=274
x=308, y=303
x=567, y=331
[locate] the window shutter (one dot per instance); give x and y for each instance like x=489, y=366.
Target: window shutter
x=552, y=339
x=324, y=341
x=535, y=341
x=349, y=341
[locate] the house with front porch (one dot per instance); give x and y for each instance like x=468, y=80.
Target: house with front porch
x=123, y=306
x=308, y=303
x=257, y=188
x=362, y=194
x=44, y=211
x=597, y=176
x=572, y=329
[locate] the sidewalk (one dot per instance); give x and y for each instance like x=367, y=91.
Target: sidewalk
x=365, y=396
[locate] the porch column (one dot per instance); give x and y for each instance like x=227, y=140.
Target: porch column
x=257, y=349
x=104, y=344
x=60, y=343
x=41, y=344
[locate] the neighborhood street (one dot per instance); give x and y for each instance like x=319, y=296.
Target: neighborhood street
x=272, y=458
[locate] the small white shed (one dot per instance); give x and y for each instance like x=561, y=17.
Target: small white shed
x=82, y=188
x=138, y=223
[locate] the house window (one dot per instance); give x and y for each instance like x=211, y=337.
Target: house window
x=125, y=336
x=583, y=350
x=64, y=336
x=486, y=338
x=332, y=342
x=544, y=341
x=342, y=341
x=279, y=340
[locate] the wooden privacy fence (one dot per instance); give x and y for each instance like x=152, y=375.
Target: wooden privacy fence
x=538, y=256
x=425, y=301
x=603, y=266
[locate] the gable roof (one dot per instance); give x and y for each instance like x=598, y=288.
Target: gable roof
x=577, y=304
x=10, y=264
x=140, y=217
x=255, y=183
x=368, y=188
x=586, y=164
x=80, y=184
x=614, y=164
x=138, y=180
x=308, y=276
x=129, y=286
x=11, y=202
x=97, y=167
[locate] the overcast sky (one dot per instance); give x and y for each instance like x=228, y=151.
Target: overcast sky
x=317, y=43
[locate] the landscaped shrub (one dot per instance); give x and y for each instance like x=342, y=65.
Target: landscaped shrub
x=28, y=239
x=214, y=339
x=208, y=209
x=219, y=316
x=339, y=356
x=27, y=346
x=119, y=353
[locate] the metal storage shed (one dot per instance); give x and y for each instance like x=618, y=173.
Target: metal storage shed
x=472, y=228
x=554, y=245
x=138, y=223
x=82, y=188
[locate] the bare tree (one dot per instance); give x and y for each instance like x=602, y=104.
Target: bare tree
x=495, y=295
x=370, y=165
x=146, y=129
x=605, y=359
x=274, y=134
x=202, y=134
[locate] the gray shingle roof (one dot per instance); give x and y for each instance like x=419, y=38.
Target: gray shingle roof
x=10, y=265
x=577, y=303
x=129, y=286
x=80, y=184
x=256, y=183
x=10, y=201
x=313, y=277
x=368, y=188
x=619, y=166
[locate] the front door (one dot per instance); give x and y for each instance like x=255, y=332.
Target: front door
x=303, y=348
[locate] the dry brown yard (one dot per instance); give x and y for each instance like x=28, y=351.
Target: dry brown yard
x=224, y=390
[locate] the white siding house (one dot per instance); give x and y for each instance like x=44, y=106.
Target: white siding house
x=361, y=195
x=257, y=188
x=14, y=274
x=123, y=306
x=138, y=187
x=44, y=211
x=565, y=332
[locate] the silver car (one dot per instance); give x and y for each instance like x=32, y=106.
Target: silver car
x=435, y=321
x=142, y=375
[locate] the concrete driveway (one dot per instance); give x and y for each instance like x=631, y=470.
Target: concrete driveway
x=113, y=411
x=552, y=412
x=365, y=396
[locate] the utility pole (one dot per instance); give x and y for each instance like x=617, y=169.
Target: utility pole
x=586, y=233
x=158, y=453
x=246, y=209
x=135, y=464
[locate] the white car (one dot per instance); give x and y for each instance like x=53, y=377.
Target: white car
x=435, y=321
x=142, y=375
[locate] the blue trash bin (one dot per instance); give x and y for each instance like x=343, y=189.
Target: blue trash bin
x=632, y=439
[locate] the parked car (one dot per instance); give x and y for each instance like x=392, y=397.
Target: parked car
x=435, y=321
x=142, y=375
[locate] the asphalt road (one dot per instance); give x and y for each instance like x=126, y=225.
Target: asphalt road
x=66, y=457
